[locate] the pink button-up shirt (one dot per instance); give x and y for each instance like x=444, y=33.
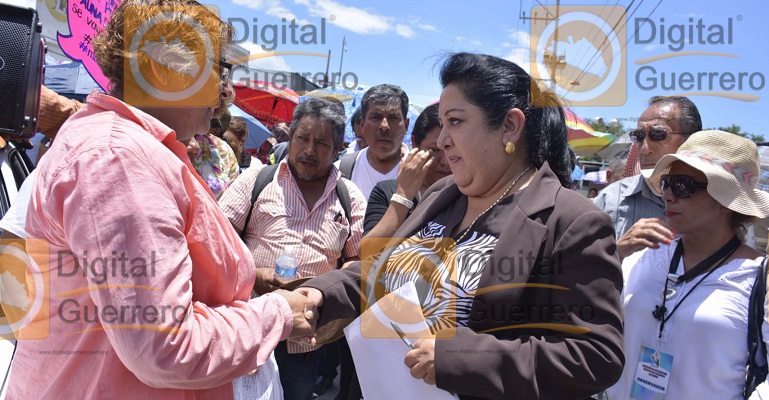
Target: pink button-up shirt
x=117, y=185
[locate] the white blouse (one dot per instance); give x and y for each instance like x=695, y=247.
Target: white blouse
x=706, y=335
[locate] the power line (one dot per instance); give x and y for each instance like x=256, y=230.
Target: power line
x=622, y=46
x=600, y=49
x=636, y=32
x=546, y=10
x=595, y=25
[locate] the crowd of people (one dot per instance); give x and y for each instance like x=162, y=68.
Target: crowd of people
x=646, y=291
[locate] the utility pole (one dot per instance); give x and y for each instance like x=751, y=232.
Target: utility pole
x=341, y=58
x=554, y=62
x=328, y=64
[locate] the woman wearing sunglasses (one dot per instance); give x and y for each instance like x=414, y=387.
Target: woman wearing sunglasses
x=686, y=301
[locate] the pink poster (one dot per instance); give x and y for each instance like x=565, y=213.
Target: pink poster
x=85, y=19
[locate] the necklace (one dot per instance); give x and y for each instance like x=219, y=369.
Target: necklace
x=467, y=230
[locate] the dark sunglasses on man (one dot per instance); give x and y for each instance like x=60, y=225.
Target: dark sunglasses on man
x=681, y=186
x=655, y=134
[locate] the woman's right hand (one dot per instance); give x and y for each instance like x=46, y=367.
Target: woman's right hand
x=412, y=172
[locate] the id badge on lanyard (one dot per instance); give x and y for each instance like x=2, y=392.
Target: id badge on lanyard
x=652, y=374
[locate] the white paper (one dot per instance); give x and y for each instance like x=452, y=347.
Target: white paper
x=379, y=362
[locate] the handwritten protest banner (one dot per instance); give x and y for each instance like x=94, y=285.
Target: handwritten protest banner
x=86, y=18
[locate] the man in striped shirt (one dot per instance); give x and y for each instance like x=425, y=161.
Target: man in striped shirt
x=300, y=207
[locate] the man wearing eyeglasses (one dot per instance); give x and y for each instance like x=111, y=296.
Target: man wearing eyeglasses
x=638, y=214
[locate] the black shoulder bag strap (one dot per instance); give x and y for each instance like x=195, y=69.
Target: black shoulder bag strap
x=756, y=369
x=262, y=180
x=344, y=199
x=347, y=163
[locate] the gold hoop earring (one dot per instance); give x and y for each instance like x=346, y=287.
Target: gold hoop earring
x=510, y=148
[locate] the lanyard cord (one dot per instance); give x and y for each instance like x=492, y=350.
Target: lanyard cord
x=729, y=248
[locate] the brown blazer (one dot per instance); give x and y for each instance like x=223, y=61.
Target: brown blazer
x=500, y=355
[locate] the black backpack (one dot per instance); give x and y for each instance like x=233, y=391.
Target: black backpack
x=756, y=370
x=264, y=178
x=347, y=163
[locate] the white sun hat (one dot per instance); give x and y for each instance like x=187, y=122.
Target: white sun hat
x=730, y=163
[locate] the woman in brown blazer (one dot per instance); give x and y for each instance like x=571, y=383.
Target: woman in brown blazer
x=535, y=290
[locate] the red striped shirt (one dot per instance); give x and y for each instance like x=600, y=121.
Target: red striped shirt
x=281, y=218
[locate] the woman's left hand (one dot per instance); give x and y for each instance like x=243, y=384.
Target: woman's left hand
x=421, y=360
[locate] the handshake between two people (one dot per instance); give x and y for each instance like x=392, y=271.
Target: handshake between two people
x=304, y=303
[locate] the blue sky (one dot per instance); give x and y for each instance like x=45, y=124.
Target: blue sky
x=400, y=41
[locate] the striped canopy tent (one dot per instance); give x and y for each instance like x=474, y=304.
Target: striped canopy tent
x=763, y=179
x=582, y=138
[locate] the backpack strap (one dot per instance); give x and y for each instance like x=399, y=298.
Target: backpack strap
x=263, y=179
x=344, y=199
x=756, y=369
x=347, y=163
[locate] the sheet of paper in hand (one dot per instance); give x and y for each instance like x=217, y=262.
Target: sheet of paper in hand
x=379, y=361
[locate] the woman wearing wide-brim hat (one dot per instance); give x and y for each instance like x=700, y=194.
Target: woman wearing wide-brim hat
x=686, y=301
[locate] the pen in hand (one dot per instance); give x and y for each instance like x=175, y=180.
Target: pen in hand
x=401, y=335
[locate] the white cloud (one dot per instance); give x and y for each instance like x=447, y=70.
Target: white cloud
x=271, y=7
x=354, y=19
x=520, y=52
x=460, y=38
x=522, y=57
x=275, y=62
x=350, y=18
x=476, y=42
x=428, y=27
x=520, y=37
x=651, y=47
x=690, y=15
x=405, y=31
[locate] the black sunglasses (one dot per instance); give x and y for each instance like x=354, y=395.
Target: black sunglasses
x=655, y=135
x=682, y=186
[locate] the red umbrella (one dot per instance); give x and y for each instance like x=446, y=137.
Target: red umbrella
x=266, y=102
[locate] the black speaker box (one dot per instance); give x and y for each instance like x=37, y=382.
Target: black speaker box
x=22, y=55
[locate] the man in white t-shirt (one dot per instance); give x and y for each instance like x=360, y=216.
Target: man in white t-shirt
x=384, y=122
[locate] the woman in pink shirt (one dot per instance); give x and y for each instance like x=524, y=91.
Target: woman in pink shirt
x=149, y=284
